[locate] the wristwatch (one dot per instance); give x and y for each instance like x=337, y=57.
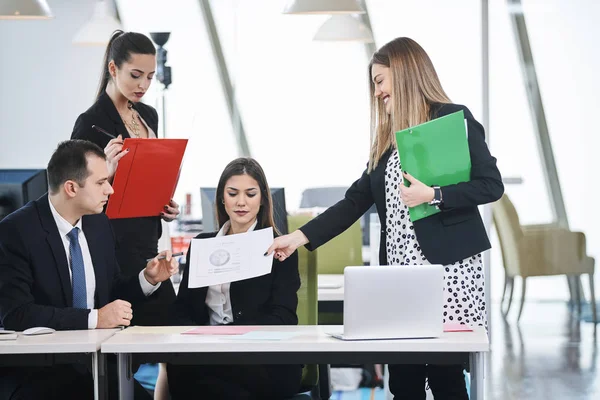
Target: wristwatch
x=437, y=196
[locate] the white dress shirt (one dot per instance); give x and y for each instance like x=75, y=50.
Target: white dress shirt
x=217, y=298
x=64, y=227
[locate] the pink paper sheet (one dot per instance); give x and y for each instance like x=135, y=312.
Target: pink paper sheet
x=455, y=327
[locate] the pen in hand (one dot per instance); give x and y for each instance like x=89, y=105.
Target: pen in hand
x=163, y=257
x=96, y=127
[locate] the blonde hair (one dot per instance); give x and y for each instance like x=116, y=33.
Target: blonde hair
x=415, y=86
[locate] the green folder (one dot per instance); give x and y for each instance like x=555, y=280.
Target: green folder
x=436, y=153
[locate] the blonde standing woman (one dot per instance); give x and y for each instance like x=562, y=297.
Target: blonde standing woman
x=406, y=91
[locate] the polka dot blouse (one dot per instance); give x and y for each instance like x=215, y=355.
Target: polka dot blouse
x=464, y=299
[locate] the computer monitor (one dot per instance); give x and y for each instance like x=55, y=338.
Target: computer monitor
x=279, y=210
x=209, y=212
x=322, y=197
x=20, y=186
x=209, y=216
x=325, y=197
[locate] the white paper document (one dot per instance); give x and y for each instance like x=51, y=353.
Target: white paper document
x=230, y=258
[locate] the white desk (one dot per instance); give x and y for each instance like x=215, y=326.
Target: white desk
x=311, y=346
x=366, y=255
x=330, y=293
x=65, y=342
x=330, y=287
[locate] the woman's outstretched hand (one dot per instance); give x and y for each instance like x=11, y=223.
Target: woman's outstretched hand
x=285, y=245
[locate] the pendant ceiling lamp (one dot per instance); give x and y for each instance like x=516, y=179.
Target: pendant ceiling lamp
x=98, y=30
x=344, y=28
x=25, y=9
x=323, y=7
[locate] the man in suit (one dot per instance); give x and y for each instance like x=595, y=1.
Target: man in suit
x=58, y=269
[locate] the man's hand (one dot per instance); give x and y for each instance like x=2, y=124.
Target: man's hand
x=160, y=269
x=112, y=315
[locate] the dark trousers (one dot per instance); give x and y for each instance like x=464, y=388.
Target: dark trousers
x=447, y=382
x=240, y=382
x=66, y=381
x=46, y=383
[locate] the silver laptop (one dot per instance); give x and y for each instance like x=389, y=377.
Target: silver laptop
x=393, y=302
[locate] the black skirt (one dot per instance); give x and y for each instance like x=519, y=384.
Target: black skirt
x=137, y=241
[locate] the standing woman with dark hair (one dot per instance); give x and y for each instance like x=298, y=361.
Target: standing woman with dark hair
x=128, y=68
x=406, y=91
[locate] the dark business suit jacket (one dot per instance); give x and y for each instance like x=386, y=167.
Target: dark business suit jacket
x=35, y=287
x=137, y=238
x=266, y=300
x=104, y=114
x=452, y=235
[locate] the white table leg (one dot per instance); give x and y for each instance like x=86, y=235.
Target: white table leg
x=477, y=376
x=99, y=375
x=125, y=376
x=386, y=381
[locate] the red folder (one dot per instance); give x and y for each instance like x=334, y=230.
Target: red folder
x=146, y=178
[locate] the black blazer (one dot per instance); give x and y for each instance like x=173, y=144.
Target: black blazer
x=104, y=114
x=452, y=235
x=137, y=238
x=35, y=288
x=266, y=300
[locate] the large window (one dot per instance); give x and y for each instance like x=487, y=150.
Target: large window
x=305, y=109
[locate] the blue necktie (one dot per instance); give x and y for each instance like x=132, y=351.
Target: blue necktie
x=77, y=270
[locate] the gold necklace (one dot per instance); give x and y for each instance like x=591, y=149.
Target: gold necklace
x=134, y=125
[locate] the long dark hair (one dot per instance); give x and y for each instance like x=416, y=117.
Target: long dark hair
x=119, y=49
x=247, y=166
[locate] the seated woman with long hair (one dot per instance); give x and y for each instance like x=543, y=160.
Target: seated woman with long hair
x=243, y=203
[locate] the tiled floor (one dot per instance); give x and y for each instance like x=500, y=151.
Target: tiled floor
x=547, y=356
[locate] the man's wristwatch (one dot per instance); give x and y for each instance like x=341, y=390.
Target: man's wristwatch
x=437, y=196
